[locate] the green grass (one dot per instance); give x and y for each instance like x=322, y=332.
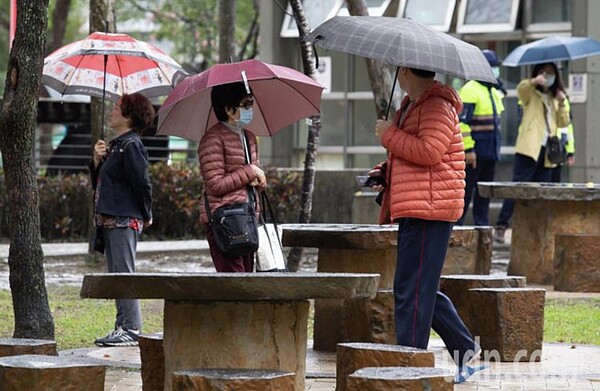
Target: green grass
x=572, y=321
x=78, y=322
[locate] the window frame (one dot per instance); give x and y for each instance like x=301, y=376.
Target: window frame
x=445, y=27
x=373, y=11
x=287, y=32
x=509, y=26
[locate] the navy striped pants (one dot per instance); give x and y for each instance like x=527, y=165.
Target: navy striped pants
x=419, y=305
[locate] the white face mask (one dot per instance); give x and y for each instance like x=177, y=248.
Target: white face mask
x=550, y=80
x=246, y=116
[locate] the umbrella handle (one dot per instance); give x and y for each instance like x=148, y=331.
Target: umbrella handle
x=387, y=112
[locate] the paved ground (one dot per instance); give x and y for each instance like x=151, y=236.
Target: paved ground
x=562, y=367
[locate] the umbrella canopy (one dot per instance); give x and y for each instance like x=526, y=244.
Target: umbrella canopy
x=551, y=49
x=403, y=42
x=282, y=96
x=131, y=66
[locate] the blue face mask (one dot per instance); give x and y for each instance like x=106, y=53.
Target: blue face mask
x=550, y=78
x=496, y=71
x=246, y=116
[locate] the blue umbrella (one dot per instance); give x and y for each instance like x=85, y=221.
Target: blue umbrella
x=551, y=49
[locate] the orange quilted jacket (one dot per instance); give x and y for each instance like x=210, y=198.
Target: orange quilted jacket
x=426, y=159
x=223, y=167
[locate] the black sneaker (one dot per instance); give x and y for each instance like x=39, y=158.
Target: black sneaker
x=119, y=337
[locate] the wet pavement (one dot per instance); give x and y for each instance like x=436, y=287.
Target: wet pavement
x=562, y=367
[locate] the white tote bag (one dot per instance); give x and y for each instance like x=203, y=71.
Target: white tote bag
x=269, y=256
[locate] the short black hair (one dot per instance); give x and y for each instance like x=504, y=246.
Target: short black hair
x=422, y=73
x=227, y=96
x=138, y=110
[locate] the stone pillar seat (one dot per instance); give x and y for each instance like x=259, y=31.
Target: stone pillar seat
x=469, y=250
x=370, y=321
x=367, y=248
x=233, y=380
x=19, y=346
x=576, y=263
x=50, y=373
x=509, y=323
x=456, y=287
x=152, y=356
x=400, y=378
x=353, y=356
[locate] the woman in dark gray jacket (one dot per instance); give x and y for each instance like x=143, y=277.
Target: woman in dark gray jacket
x=123, y=203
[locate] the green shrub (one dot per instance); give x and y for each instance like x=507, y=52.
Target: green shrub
x=64, y=202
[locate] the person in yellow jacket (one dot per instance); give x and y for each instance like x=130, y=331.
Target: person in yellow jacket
x=480, y=126
x=544, y=111
x=568, y=137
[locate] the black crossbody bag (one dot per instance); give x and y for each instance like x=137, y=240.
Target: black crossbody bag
x=234, y=226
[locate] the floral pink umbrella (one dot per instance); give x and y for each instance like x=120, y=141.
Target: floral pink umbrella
x=282, y=96
x=110, y=65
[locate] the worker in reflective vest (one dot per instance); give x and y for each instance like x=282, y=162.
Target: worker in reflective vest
x=480, y=125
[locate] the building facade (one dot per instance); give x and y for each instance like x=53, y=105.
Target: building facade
x=348, y=112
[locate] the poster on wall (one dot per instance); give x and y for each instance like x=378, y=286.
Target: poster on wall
x=323, y=73
x=577, y=87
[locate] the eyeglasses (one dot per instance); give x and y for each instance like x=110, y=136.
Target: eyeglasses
x=247, y=103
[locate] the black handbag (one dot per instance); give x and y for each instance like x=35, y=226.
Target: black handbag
x=556, y=150
x=234, y=228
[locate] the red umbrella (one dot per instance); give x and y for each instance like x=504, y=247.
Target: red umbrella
x=129, y=65
x=282, y=96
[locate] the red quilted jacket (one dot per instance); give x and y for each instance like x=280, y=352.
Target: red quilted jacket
x=223, y=167
x=426, y=159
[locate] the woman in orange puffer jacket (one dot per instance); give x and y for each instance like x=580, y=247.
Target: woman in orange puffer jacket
x=425, y=196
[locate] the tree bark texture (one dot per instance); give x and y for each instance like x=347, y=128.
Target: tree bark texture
x=33, y=318
x=314, y=128
x=379, y=76
x=102, y=18
x=227, y=31
x=60, y=15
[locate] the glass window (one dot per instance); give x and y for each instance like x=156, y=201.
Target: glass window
x=483, y=16
x=550, y=15
x=333, y=125
x=316, y=11
x=435, y=13
x=375, y=8
x=364, y=123
x=550, y=11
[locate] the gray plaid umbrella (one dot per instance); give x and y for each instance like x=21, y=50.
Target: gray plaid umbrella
x=403, y=42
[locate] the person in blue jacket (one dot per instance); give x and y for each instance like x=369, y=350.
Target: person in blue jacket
x=123, y=203
x=480, y=126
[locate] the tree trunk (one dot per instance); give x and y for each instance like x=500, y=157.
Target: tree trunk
x=60, y=16
x=227, y=31
x=33, y=318
x=379, y=76
x=312, y=143
x=102, y=18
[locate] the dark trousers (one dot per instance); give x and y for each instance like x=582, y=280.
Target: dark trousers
x=223, y=264
x=556, y=176
x=120, y=248
x=419, y=305
x=525, y=170
x=484, y=172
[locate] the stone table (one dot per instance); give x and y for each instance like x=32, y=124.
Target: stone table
x=233, y=320
x=366, y=248
x=543, y=210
